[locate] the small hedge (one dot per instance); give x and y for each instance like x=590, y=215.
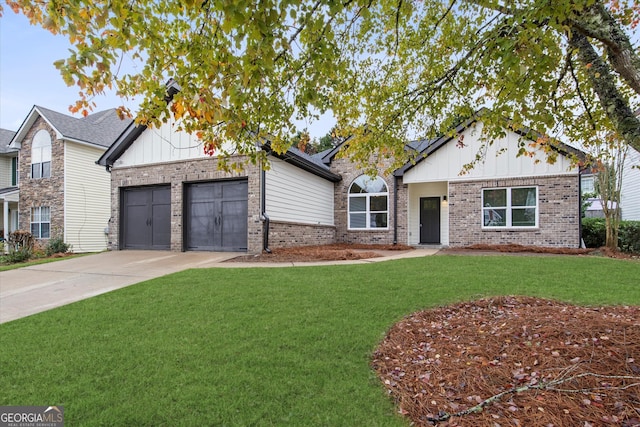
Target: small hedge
x=594, y=234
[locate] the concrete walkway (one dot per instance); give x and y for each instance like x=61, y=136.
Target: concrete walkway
x=38, y=288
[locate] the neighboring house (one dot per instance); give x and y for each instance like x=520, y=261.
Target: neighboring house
x=62, y=191
x=8, y=185
x=167, y=194
x=630, y=191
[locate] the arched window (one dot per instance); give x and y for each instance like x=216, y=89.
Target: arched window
x=368, y=203
x=41, y=155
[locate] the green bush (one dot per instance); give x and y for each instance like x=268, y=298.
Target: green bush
x=629, y=236
x=56, y=245
x=20, y=245
x=594, y=234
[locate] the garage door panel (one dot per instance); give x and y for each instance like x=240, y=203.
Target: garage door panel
x=146, y=218
x=161, y=226
x=216, y=216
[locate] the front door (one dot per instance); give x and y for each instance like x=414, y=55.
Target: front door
x=430, y=220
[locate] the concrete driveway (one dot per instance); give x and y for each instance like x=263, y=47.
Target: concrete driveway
x=30, y=290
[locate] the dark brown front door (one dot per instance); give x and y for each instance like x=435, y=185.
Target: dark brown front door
x=430, y=220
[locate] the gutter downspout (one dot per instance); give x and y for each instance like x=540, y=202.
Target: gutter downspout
x=580, y=242
x=263, y=214
x=395, y=210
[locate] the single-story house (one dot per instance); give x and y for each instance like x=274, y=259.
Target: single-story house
x=167, y=194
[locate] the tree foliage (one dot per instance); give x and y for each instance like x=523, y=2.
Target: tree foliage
x=389, y=70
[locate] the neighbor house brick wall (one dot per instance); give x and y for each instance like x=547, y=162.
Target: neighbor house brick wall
x=42, y=191
x=349, y=173
x=558, y=213
x=176, y=174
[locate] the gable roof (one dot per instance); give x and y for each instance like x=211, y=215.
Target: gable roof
x=100, y=129
x=426, y=147
x=6, y=136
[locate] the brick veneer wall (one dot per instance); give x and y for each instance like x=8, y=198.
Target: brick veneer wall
x=286, y=234
x=42, y=191
x=558, y=213
x=177, y=174
x=343, y=235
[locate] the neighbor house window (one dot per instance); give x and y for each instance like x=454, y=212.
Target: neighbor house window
x=41, y=222
x=510, y=207
x=41, y=155
x=587, y=184
x=368, y=203
x=14, y=171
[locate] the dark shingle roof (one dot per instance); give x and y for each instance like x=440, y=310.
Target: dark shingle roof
x=101, y=128
x=6, y=136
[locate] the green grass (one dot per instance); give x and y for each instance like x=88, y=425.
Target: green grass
x=4, y=266
x=265, y=346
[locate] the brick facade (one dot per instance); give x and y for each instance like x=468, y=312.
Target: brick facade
x=349, y=173
x=285, y=234
x=558, y=216
x=46, y=192
x=177, y=174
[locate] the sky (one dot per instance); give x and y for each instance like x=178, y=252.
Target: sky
x=28, y=77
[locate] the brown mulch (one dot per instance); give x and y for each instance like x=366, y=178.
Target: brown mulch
x=334, y=252
x=352, y=251
x=515, y=361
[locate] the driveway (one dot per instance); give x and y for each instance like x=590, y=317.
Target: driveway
x=30, y=290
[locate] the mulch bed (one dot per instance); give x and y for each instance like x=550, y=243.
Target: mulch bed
x=335, y=252
x=515, y=361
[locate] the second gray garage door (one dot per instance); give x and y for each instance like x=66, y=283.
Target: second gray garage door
x=216, y=216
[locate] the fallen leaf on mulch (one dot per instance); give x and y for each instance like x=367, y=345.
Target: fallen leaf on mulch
x=515, y=361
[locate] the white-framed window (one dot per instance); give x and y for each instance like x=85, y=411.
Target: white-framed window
x=14, y=171
x=41, y=222
x=588, y=184
x=368, y=204
x=510, y=207
x=41, y=155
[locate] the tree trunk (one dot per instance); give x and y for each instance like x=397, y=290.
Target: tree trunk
x=603, y=83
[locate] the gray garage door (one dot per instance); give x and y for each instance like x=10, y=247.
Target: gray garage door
x=216, y=216
x=146, y=218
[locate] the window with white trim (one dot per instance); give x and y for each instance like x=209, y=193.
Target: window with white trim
x=41, y=222
x=14, y=171
x=368, y=203
x=510, y=207
x=41, y=155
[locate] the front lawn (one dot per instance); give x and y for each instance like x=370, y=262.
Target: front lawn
x=262, y=346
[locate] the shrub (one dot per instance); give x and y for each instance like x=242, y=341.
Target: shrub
x=594, y=234
x=20, y=246
x=56, y=245
x=629, y=236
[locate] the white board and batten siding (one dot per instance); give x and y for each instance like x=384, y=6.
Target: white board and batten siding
x=294, y=195
x=500, y=161
x=164, y=144
x=630, y=194
x=427, y=189
x=87, y=198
